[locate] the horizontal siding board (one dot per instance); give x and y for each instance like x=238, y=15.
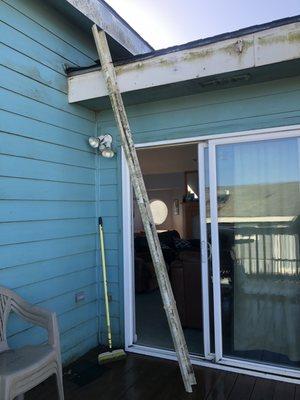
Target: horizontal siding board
x=79, y=349
x=111, y=225
x=25, y=65
x=55, y=22
x=206, y=114
x=110, y=177
x=65, y=307
x=34, y=149
x=47, y=173
x=14, y=18
x=21, y=84
x=212, y=107
x=223, y=127
x=23, y=232
x=83, y=312
x=109, y=208
x=211, y=98
x=112, y=257
x=114, y=308
x=19, y=167
x=21, y=276
x=108, y=192
x=26, y=253
x=66, y=301
x=113, y=291
x=28, y=189
x=39, y=130
x=25, y=45
x=18, y=104
x=111, y=240
x=27, y=337
x=117, y=339
x=16, y=210
x=115, y=324
x=17, y=324
x=70, y=338
x=66, y=320
x=108, y=163
x=41, y=291
x=112, y=273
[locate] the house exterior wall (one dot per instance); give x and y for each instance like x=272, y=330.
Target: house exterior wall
x=263, y=105
x=48, y=230
x=53, y=187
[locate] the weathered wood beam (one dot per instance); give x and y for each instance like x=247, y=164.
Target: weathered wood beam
x=101, y=15
x=254, y=50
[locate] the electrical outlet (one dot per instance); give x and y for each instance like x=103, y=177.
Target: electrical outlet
x=80, y=296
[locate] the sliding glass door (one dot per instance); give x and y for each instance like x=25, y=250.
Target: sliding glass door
x=255, y=209
x=227, y=213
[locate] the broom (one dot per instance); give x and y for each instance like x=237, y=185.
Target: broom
x=111, y=355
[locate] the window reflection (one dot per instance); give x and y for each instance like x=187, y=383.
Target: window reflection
x=258, y=216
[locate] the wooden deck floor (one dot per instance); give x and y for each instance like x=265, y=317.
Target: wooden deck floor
x=145, y=378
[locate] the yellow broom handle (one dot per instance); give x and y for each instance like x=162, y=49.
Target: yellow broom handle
x=105, y=283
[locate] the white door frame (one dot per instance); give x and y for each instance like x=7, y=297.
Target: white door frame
x=204, y=253
x=254, y=369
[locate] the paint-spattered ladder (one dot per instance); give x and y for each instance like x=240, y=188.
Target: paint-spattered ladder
x=144, y=207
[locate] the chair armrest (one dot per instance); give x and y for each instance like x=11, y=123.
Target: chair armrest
x=38, y=316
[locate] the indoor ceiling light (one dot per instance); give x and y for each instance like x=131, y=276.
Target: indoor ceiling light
x=104, y=144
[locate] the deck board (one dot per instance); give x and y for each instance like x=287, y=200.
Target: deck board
x=264, y=389
x=243, y=388
x=146, y=378
x=284, y=390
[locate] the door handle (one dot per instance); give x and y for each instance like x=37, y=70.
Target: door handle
x=207, y=245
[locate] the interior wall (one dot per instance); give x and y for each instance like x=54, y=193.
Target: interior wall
x=165, y=187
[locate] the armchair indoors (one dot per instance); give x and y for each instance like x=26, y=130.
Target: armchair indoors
x=25, y=368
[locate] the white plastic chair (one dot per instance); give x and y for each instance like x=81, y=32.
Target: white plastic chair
x=24, y=368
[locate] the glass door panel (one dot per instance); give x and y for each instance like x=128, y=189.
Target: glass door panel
x=174, y=188
x=257, y=191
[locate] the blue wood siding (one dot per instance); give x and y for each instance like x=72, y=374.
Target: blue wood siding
x=256, y=106
x=53, y=187
x=48, y=230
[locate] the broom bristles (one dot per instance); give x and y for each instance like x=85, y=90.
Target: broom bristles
x=111, y=356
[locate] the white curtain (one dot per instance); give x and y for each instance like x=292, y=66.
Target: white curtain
x=267, y=313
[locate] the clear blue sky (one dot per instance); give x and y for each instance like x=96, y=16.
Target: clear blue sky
x=166, y=23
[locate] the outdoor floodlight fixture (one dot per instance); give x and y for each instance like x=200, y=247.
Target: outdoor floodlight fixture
x=104, y=144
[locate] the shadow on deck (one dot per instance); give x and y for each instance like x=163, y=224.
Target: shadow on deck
x=144, y=378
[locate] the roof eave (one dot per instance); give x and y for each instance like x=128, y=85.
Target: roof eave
x=257, y=49
x=107, y=19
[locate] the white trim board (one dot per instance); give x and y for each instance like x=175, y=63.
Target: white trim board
x=170, y=355
x=195, y=139
x=110, y=22
x=247, y=51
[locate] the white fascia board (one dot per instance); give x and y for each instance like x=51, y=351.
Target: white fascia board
x=248, y=51
x=102, y=16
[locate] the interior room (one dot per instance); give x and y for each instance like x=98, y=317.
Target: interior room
x=171, y=179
